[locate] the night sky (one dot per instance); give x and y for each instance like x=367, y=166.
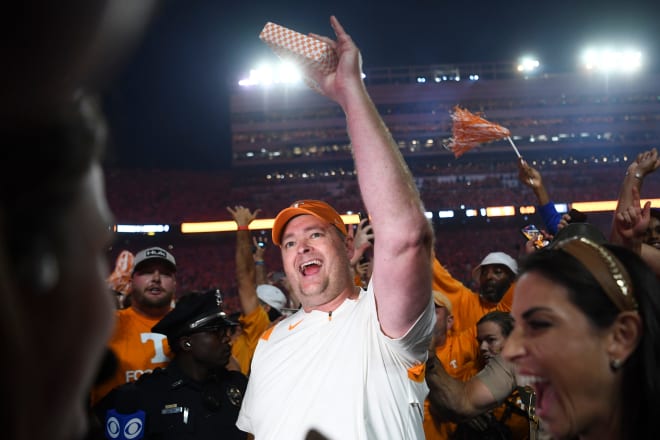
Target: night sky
x=168, y=106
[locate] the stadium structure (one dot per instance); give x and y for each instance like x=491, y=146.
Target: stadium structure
x=580, y=130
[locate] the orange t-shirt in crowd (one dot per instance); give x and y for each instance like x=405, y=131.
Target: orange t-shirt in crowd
x=137, y=348
x=459, y=357
x=253, y=325
x=517, y=422
x=467, y=305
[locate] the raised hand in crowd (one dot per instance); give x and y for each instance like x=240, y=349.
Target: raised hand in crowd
x=632, y=222
x=644, y=164
x=361, y=261
x=531, y=177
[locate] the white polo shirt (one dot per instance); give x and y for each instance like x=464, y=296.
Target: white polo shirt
x=338, y=375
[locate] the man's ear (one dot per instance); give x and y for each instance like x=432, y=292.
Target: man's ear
x=450, y=321
x=625, y=334
x=184, y=343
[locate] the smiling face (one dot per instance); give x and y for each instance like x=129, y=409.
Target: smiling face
x=316, y=261
x=557, y=350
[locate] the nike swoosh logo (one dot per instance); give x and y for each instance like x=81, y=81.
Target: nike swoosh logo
x=292, y=326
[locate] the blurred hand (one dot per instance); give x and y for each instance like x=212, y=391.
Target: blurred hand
x=529, y=175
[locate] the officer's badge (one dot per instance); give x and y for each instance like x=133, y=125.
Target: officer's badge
x=235, y=396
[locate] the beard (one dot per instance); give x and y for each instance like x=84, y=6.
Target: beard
x=493, y=292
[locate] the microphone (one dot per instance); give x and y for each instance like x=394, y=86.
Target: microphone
x=126, y=421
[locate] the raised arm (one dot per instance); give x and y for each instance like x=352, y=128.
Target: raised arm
x=402, y=253
x=645, y=163
x=452, y=399
x=630, y=227
x=245, y=267
x=531, y=177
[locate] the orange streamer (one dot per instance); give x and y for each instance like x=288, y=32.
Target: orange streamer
x=470, y=130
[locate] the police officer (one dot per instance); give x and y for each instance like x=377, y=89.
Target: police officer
x=195, y=396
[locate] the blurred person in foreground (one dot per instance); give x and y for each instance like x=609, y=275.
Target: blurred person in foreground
x=55, y=223
x=194, y=396
x=587, y=340
x=57, y=311
x=350, y=363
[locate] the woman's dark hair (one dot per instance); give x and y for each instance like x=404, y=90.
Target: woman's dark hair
x=641, y=381
x=503, y=319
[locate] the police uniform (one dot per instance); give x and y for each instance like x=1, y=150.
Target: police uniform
x=169, y=405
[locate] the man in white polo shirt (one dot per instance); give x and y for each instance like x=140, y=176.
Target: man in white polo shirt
x=350, y=363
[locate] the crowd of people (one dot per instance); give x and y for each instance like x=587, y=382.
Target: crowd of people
x=364, y=333
x=181, y=195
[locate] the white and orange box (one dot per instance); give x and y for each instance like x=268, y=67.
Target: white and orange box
x=308, y=51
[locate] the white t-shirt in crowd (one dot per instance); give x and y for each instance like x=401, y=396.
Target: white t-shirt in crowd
x=340, y=375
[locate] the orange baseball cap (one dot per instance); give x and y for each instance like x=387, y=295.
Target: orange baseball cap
x=317, y=208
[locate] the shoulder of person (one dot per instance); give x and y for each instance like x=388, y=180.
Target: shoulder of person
x=156, y=377
x=232, y=376
x=116, y=397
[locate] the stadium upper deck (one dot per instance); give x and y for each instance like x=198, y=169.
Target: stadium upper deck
x=576, y=113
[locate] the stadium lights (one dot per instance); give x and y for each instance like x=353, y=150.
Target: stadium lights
x=267, y=74
x=606, y=206
x=353, y=219
x=612, y=60
x=283, y=72
x=141, y=229
x=528, y=65
x=499, y=211
x=259, y=224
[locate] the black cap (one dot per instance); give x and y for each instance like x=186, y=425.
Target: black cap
x=572, y=230
x=194, y=312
